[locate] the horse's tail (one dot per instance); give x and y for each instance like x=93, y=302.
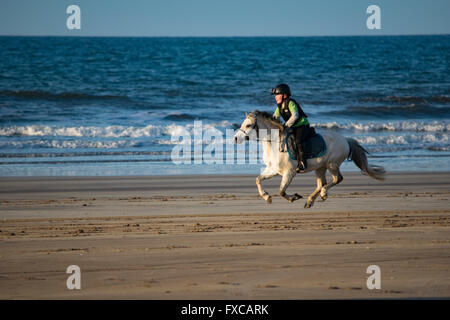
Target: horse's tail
x=358, y=155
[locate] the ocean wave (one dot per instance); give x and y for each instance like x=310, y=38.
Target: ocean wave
x=67, y=144
x=82, y=161
x=396, y=126
x=408, y=99
x=403, y=111
x=180, y=117
x=44, y=95
x=437, y=148
x=82, y=154
x=440, y=99
x=106, y=132
x=157, y=133
x=406, y=139
x=90, y=131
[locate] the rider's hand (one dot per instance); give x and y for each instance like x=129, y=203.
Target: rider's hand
x=288, y=129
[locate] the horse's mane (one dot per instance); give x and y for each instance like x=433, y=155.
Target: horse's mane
x=268, y=117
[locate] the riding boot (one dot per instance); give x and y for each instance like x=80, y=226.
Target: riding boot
x=302, y=161
x=299, y=137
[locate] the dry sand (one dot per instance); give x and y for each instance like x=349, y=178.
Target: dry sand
x=212, y=237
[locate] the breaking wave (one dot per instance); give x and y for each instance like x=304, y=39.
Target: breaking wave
x=396, y=126
x=406, y=139
x=104, y=132
x=67, y=144
x=402, y=111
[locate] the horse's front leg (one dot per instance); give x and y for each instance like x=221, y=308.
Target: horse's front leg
x=321, y=181
x=285, y=182
x=262, y=192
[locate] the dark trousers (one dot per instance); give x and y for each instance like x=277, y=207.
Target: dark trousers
x=301, y=134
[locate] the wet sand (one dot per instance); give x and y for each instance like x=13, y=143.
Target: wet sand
x=212, y=237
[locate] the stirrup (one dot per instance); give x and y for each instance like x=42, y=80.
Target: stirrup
x=300, y=167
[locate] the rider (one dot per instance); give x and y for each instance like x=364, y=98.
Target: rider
x=295, y=120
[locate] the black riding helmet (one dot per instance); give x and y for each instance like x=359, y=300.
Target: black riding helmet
x=282, y=88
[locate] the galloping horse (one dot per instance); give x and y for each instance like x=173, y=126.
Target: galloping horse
x=338, y=148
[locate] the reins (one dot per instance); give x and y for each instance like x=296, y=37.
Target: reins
x=256, y=128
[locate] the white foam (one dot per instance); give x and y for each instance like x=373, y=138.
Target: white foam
x=403, y=139
x=67, y=144
x=104, y=132
x=398, y=126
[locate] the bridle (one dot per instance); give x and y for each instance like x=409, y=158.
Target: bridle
x=254, y=127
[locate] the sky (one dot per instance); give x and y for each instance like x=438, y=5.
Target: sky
x=203, y=18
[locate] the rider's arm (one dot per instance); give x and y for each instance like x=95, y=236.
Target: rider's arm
x=277, y=114
x=294, y=114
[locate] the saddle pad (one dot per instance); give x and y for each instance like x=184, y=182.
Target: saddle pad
x=314, y=147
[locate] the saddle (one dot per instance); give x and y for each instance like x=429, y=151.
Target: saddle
x=314, y=145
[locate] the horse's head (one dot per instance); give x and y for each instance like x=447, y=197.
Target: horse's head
x=248, y=128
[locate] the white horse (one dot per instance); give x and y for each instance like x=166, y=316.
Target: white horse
x=338, y=148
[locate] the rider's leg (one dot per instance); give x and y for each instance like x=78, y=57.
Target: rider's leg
x=300, y=134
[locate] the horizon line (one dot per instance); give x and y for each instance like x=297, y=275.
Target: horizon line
x=229, y=36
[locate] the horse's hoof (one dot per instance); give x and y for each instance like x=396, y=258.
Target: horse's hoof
x=295, y=197
x=323, y=194
x=269, y=200
x=307, y=205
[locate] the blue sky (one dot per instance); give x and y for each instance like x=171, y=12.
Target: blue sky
x=223, y=18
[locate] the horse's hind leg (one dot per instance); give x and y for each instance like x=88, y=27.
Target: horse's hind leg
x=321, y=180
x=261, y=191
x=285, y=182
x=336, y=178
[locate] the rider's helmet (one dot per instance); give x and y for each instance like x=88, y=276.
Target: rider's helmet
x=282, y=88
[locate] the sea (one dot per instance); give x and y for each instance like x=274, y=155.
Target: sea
x=103, y=106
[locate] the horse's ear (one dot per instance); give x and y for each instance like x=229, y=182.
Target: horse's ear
x=246, y=115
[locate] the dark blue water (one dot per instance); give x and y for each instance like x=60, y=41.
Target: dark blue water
x=102, y=106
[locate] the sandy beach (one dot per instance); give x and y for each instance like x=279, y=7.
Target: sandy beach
x=212, y=237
